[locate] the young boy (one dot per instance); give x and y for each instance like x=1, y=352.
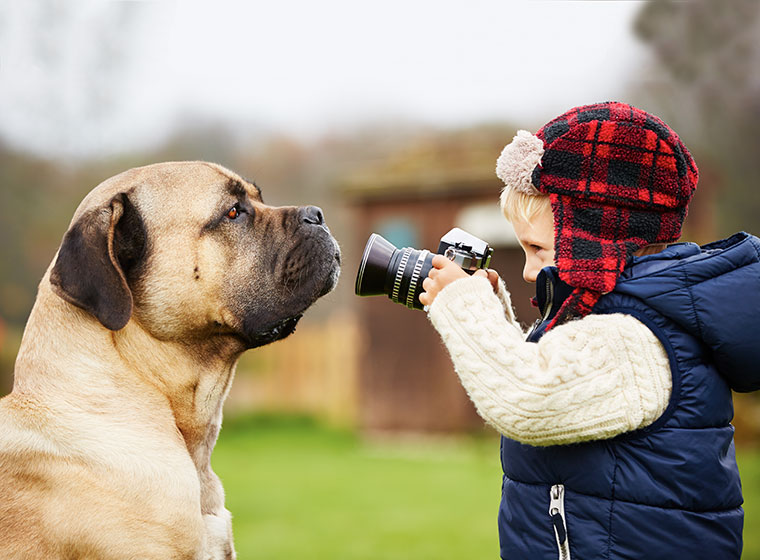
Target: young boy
x=615, y=413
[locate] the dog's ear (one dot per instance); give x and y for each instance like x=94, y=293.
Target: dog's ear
x=97, y=256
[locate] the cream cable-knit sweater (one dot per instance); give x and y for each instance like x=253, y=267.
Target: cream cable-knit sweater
x=592, y=378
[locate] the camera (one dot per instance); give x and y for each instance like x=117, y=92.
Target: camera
x=399, y=273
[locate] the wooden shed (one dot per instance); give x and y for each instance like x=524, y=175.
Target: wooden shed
x=406, y=381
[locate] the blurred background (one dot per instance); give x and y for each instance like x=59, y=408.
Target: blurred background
x=353, y=438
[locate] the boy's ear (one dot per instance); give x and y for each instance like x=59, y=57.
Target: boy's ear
x=96, y=255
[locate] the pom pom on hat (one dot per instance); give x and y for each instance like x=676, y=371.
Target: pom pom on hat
x=518, y=160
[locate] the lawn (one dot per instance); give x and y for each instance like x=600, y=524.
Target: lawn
x=299, y=490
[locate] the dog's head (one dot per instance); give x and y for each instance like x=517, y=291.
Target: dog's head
x=189, y=250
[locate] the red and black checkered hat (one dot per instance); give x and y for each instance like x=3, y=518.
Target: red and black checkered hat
x=618, y=179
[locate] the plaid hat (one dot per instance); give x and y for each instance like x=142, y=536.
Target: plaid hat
x=618, y=179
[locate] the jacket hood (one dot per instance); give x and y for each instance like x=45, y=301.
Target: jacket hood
x=712, y=292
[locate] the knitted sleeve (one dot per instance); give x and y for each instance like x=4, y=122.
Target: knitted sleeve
x=506, y=302
x=592, y=378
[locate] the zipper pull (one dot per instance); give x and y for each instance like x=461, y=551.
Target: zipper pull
x=549, y=303
x=557, y=515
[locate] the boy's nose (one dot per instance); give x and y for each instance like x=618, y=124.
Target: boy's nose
x=530, y=272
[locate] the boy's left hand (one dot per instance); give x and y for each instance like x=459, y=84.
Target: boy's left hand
x=443, y=273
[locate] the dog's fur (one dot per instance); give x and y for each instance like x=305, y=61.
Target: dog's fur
x=129, y=353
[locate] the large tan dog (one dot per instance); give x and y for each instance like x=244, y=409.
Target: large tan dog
x=165, y=276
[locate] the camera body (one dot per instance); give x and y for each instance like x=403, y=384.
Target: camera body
x=399, y=273
x=466, y=250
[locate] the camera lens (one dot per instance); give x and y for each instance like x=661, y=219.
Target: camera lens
x=398, y=273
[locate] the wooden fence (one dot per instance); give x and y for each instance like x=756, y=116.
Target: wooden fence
x=314, y=371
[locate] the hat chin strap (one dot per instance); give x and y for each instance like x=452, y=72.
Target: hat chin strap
x=579, y=303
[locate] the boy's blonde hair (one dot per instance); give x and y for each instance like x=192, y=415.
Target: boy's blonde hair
x=522, y=206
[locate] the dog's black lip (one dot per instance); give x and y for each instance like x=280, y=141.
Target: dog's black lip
x=273, y=333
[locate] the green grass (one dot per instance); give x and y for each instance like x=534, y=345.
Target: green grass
x=296, y=490
x=749, y=467
x=299, y=490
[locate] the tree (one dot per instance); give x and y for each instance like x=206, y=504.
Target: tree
x=709, y=56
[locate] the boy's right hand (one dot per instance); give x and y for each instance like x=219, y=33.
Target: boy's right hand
x=443, y=273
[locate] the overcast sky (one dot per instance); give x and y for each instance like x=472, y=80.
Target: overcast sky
x=83, y=76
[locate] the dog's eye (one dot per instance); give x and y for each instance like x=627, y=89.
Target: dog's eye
x=233, y=212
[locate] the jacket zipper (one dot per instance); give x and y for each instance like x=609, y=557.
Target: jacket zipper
x=549, y=300
x=557, y=515
x=546, y=311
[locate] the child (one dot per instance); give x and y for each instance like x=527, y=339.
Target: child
x=616, y=411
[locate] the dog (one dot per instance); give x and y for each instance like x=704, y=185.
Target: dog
x=165, y=276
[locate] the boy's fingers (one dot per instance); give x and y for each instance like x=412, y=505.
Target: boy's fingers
x=439, y=261
x=425, y=299
x=482, y=273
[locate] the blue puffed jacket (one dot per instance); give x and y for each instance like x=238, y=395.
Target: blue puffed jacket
x=672, y=489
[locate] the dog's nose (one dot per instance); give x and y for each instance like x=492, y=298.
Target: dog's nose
x=313, y=215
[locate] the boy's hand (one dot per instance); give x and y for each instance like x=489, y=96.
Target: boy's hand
x=493, y=278
x=443, y=273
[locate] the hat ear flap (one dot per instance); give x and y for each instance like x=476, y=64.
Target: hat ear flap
x=578, y=304
x=95, y=257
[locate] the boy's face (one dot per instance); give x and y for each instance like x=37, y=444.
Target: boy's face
x=536, y=238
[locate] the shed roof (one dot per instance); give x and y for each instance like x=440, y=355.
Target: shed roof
x=433, y=164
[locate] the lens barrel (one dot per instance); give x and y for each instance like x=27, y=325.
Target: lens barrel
x=398, y=273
